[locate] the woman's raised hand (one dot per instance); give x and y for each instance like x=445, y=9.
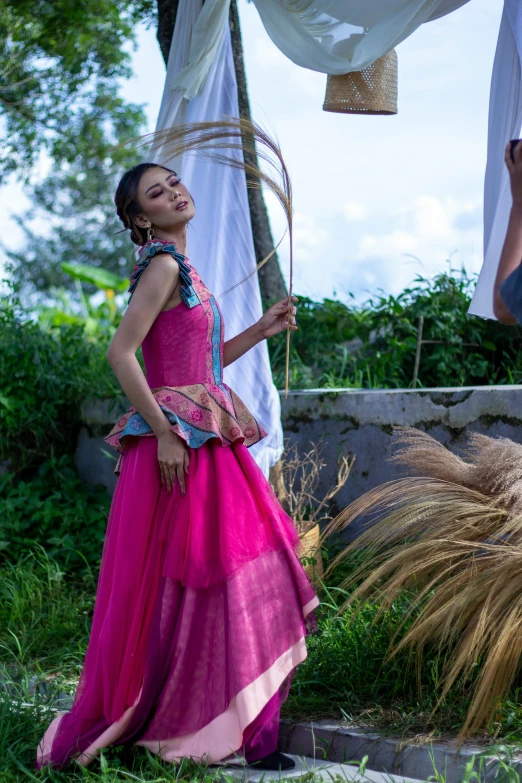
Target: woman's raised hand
x=277, y=318
x=173, y=460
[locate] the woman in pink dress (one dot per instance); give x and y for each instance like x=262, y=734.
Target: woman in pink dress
x=202, y=605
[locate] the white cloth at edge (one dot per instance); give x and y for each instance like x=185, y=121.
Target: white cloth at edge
x=330, y=36
x=219, y=239
x=505, y=121
x=338, y=36
x=201, y=47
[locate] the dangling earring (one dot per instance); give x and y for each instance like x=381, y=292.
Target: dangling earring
x=150, y=232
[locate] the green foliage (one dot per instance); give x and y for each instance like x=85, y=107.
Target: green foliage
x=45, y=376
x=77, y=200
x=60, y=62
x=349, y=674
x=56, y=510
x=101, y=278
x=49, y=368
x=96, y=321
x=45, y=610
x=61, y=65
x=344, y=668
x=373, y=345
x=45, y=620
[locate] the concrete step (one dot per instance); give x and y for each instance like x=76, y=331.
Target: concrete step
x=320, y=770
x=325, y=740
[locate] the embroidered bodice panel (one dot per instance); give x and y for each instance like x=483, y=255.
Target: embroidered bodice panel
x=185, y=344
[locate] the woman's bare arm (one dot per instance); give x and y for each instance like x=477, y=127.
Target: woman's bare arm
x=511, y=255
x=155, y=287
x=157, y=284
x=274, y=320
x=241, y=343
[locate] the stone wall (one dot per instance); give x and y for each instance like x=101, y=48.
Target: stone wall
x=360, y=423
x=351, y=422
x=94, y=458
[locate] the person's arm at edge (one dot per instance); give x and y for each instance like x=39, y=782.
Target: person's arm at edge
x=511, y=255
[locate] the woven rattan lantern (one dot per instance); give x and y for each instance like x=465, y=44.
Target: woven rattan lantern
x=371, y=91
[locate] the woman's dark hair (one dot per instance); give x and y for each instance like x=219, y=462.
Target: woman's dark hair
x=126, y=199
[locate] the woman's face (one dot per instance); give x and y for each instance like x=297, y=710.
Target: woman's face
x=165, y=201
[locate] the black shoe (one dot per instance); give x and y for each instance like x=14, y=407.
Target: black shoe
x=275, y=761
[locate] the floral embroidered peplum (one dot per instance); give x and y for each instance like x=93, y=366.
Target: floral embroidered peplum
x=183, y=355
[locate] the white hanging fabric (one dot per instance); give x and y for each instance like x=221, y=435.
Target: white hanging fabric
x=338, y=36
x=505, y=122
x=201, y=46
x=219, y=239
x=330, y=36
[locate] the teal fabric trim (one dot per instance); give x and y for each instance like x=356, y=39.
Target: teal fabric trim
x=195, y=437
x=216, y=343
x=188, y=294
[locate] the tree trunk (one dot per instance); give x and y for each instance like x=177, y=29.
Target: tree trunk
x=167, y=10
x=271, y=280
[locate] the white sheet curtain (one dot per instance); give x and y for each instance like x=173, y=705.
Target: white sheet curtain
x=220, y=243
x=331, y=36
x=338, y=36
x=505, y=122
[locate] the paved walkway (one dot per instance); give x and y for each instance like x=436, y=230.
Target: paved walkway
x=321, y=770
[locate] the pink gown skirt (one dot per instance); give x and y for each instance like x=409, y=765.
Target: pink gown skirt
x=201, y=612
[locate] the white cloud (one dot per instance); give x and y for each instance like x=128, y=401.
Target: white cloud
x=354, y=213
x=308, y=237
x=430, y=216
x=267, y=55
x=429, y=230
x=415, y=237
x=396, y=242
x=425, y=222
x=435, y=218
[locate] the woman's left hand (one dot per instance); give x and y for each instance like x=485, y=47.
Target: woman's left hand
x=277, y=318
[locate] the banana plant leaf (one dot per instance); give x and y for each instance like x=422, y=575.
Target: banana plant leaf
x=101, y=278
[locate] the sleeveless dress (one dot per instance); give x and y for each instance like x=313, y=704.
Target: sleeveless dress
x=202, y=605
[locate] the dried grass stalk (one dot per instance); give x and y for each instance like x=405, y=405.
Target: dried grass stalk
x=216, y=141
x=453, y=536
x=301, y=475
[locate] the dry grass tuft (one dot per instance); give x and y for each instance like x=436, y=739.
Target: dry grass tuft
x=300, y=479
x=452, y=535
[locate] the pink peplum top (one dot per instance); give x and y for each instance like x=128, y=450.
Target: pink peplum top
x=183, y=356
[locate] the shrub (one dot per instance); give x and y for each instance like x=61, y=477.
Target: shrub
x=373, y=345
x=45, y=376
x=56, y=510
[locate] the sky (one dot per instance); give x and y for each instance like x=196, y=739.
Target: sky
x=378, y=200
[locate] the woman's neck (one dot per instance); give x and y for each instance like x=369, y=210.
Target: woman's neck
x=176, y=235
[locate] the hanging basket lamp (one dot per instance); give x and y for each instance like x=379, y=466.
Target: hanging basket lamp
x=370, y=91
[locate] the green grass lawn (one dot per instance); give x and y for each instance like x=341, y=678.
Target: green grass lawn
x=45, y=616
